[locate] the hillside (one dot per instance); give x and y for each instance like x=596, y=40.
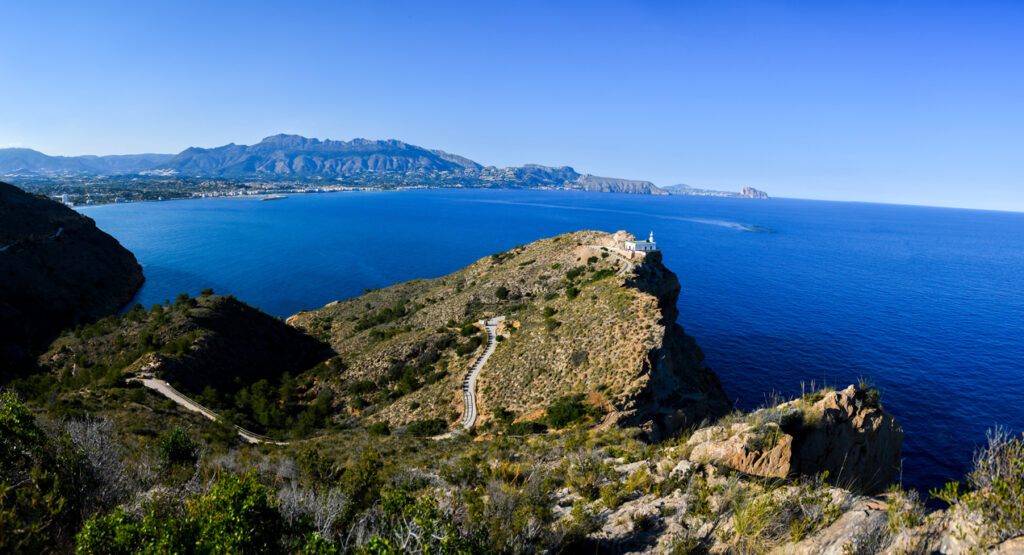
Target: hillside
x=573, y=327
x=56, y=270
x=210, y=347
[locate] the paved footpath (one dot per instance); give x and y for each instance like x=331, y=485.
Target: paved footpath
x=468, y=390
x=469, y=382
x=168, y=391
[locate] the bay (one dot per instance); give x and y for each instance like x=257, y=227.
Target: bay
x=925, y=303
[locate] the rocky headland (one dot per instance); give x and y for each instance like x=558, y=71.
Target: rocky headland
x=577, y=323
x=57, y=270
x=601, y=430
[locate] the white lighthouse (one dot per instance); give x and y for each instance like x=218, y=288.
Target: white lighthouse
x=642, y=246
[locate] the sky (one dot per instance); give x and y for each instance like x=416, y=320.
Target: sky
x=894, y=101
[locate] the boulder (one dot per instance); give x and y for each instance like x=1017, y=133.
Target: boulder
x=845, y=433
x=759, y=451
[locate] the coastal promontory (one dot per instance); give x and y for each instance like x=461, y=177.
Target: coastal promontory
x=57, y=270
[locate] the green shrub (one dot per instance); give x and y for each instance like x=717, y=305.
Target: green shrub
x=379, y=429
x=525, y=428
x=429, y=427
x=382, y=316
x=501, y=293
x=995, y=487
x=569, y=410
x=585, y=476
x=572, y=292
x=470, y=346
x=176, y=447
x=39, y=500
x=361, y=387
x=237, y=515
x=601, y=274
x=503, y=416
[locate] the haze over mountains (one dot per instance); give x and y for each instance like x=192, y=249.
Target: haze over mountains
x=300, y=158
x=28, y=162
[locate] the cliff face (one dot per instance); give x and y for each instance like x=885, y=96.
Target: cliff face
x=616, y=185
x=681, y=391
x=57, y=269
x=750, y=192
x=579, y=321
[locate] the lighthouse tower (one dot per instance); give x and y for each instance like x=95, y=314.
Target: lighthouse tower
x=642, y=246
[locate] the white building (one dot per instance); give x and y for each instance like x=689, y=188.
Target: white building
x=642, y=246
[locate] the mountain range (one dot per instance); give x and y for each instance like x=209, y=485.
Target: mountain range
x=28, y=162
x=296, y=157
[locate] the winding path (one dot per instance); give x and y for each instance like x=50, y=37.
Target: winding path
x=468, y=391
x=626, y=268
x=168, y=391
x=54, y=236
x=469, y=382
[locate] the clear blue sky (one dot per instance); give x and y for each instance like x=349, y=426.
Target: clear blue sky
x=909, y=102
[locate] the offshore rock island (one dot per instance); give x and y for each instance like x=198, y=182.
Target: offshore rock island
x=206, y=425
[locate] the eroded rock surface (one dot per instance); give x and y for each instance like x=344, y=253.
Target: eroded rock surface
x=845, y=433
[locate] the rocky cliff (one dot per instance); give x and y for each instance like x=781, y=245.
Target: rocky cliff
x=844, y=433
x=56, y=270
x=616, y=185
x=580, y=320
x=750, y=192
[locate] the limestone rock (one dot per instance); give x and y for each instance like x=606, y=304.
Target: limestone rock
x=750, y=192
x=845, y=433
x=758, y=451
x=859, y=530
x=857, y=442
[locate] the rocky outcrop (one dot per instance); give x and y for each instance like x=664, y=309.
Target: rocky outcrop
x=845, y=433
x=750, y=192
x=57, y=269
x=616, y=185
x=746, y=448
x=856, y=441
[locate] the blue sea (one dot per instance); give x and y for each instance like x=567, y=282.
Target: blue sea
x=926, y=303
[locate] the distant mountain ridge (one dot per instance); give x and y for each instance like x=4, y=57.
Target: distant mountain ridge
x=296, y=156
x=25, y=161
x=293, y=157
